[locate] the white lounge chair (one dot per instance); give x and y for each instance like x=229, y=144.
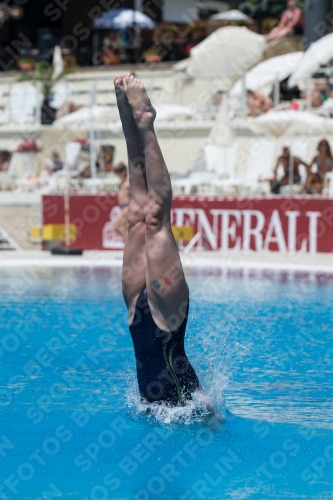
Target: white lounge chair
x=260, y=167
x=221, y=160
x=22, y=104
x=196, y=181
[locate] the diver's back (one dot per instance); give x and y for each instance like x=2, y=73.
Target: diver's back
x=163, y=370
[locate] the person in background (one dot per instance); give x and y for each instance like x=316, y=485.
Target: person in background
x=317, y=97
x=291, y=23
x=106, y=161
x=323, y=160
x=258, y=103
x=110, y=49
x=55, y=164
x=120, y=225
x=4, y=160
x=287, y=161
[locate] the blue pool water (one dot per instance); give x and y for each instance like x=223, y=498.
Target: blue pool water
x=71, y=423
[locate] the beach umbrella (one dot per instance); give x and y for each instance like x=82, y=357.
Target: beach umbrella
x=58, y=63
x=231, y=15
x=267, y=72
x=320, y=52
x=109, y=116
x=292, y=123
x=81, y=119
x=228, y=52
x=119, y=19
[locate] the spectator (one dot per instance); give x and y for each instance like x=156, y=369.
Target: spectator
x=110, y=41
x=55, y=164
x=287, y=161
x=316, y=97
x=4, y=160
x=258, y=103
x=324, y=163
x=291, y=23
x=110, y=49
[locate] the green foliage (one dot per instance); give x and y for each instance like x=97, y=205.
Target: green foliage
x=154, y=50
x=43, y=74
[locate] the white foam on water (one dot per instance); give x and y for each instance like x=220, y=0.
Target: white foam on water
x=196, y=410
x=211, y=360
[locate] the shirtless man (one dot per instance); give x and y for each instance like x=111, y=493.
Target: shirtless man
x=120, y=225
x=154, y=286
x=285, y=160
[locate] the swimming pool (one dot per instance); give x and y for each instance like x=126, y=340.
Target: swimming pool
x=262, y=343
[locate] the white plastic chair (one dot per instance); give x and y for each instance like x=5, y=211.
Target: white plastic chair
x=221, y=160
x=260, y=166
x=22, y=104
x=194, y=181
x=328, y=190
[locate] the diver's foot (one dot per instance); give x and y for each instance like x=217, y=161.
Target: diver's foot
x=143, y=111
x=125, y=110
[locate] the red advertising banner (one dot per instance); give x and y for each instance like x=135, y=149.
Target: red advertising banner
x=295, y=224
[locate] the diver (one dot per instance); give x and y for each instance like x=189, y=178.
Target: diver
x=154, y=286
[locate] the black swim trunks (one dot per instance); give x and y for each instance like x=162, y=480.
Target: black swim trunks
x=163, y=370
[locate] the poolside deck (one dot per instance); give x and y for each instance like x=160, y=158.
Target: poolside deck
x=317, y=263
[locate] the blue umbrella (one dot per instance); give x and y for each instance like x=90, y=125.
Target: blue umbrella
x=119, y=19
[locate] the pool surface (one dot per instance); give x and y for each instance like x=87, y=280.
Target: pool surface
x=71, y=423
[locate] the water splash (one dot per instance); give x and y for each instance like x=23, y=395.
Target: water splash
x=211, y=356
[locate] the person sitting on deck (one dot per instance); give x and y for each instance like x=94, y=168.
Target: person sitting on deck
x=324, y=163
x=288, y=162
x=291, y=23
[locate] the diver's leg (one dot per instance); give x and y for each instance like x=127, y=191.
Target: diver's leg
x=134, y=264
x=167, y=289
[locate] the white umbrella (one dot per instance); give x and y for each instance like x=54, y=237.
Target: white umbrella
x=267, y=72
x=172, y=112
x=320, y=52
x=119, y=19
x=58, y=63
x=81, y=119
x=228, y=52
x=232, y=15
x=293, y=123
x=181, y=65
x=109, y=116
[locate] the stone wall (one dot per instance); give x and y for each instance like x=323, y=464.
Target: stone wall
x=17, y=222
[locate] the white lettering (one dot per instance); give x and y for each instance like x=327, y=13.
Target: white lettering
x=249, y=231
x=292, y=227
x=230, y=230
x=180, y=216
x=206, y=228
x=275, y=226
x=313, y=224
x=227, y=230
